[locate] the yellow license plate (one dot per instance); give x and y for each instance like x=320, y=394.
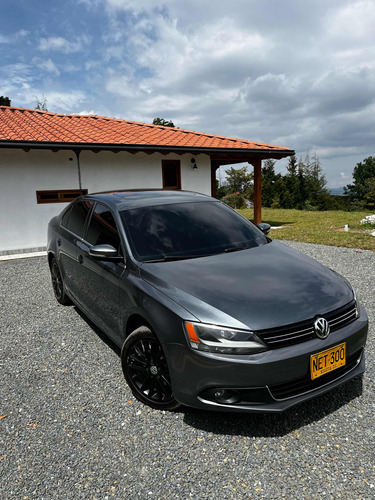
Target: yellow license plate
x=326, y=361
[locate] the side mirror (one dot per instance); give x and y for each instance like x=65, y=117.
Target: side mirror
x=106, y=253
x=264, y=227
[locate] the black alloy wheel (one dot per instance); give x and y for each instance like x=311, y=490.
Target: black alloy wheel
x=58, y=284
x=146, y=370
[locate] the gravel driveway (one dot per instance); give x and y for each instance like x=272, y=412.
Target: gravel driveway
x=70, y=427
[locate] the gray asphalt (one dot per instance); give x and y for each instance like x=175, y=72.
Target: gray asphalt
x=70, y=427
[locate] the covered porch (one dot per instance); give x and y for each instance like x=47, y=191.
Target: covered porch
x=254, y=159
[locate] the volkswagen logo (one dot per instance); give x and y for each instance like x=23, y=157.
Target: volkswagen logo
x=321, y=327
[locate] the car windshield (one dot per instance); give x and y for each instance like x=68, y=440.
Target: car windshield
x=188, y=230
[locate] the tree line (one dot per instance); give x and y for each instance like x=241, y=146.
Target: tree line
x=361, y=194
x=303, y=186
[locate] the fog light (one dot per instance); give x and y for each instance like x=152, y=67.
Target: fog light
x=227, y=396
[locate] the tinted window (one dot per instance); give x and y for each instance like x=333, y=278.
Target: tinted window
x=188, y=230
x=65, y=217
x=77, y=217
x=102, y=228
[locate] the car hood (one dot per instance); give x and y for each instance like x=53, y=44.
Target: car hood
x=258, y=288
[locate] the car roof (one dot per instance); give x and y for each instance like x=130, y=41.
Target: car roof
x=135, y=198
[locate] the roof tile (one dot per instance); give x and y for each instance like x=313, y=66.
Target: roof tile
x=25, y=125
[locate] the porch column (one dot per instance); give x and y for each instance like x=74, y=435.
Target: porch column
x=214, y=166
x=257, y=164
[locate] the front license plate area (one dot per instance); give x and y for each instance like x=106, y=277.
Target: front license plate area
x=327, y=361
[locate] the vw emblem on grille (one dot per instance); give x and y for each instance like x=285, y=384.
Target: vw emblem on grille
x=321, y=327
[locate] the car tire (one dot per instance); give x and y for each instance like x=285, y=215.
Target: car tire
x=58, y=284
x=146, y=370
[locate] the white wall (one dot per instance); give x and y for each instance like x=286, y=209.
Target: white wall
x=23, y=222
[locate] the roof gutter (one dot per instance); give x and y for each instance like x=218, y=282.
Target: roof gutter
x=270, y=152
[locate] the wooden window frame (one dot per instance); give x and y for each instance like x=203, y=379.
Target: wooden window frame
x=59, y=195
x=177, y=163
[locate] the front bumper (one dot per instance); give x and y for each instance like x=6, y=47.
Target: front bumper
x=260, y=382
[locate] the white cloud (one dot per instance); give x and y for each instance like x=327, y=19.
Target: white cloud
x=85, y=113
x=11, y=38
x=60, y=44
x=22, y=33
x=122, y=86
x=46, y=65
x=336, y=152
x=233, y=75
x=16, y=76
x=216, y=52
x=187, y=71
x=137, y=5
x=66, y=102
x=353, y=21
x=23, y=86
x=5, y=39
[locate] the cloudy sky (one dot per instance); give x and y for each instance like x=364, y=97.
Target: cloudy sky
x=296, y=73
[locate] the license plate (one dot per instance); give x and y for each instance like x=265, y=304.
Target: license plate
x=326, y=361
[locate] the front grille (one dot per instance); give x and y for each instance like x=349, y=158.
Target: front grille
x=300, y=332
x=305, y=384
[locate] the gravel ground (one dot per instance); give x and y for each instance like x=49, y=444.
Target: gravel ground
x=70, y=427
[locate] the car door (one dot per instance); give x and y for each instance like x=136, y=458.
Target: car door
x=99, y=280
x=72, y=230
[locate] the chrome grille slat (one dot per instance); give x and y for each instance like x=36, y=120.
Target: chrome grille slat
x=352, y=311
x=292, y=337
x=342, y=319
x=297, y=333
x=288, y=335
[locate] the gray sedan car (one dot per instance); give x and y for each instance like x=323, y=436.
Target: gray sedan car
x=208, y=311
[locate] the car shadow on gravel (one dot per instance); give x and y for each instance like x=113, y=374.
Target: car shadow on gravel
x=275, y=424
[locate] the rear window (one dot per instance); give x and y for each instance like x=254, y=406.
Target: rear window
x=76, y=219
x=65, y=217
x=187, y=230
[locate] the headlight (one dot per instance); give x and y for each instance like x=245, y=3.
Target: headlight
x=356, y=303
x=355, y=297
x=211, y=338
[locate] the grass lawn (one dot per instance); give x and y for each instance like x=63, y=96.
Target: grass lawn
x=326, y=228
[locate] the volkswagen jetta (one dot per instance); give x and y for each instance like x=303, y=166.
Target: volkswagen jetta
x=208, y=311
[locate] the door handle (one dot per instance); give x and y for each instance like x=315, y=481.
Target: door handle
x=80, y=259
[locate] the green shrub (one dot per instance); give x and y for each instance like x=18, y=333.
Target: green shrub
x=235, y=200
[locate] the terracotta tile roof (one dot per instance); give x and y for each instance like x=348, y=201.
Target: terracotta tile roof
x=28, y=125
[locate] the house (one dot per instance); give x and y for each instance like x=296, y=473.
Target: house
x=48, y=159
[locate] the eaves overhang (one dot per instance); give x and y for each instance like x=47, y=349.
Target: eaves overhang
x=215, y=153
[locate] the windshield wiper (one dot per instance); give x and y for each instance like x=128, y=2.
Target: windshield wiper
x=169, y=258
x=165, y=259
x=236, y=249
